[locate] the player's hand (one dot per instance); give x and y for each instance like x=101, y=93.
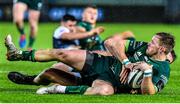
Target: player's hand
x=73, y=29
x=142, y=66
x=130, y=66
x=98, y=30
x=124, y=75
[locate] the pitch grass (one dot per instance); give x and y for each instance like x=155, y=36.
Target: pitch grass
x=12, y=93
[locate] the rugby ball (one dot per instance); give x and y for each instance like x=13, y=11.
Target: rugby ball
x=135, y=78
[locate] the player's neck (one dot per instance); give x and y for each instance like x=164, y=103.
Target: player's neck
x=159, y=57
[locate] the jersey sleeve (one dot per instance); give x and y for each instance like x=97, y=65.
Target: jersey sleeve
x=132, y=45
x=159, y=79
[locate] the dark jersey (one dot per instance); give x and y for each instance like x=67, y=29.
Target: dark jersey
x=32, y=4
x=90, y=43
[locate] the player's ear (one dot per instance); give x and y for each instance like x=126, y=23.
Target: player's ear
x=162, y=49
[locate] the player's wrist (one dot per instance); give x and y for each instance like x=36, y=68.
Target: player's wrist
x=126, y=62
x=147, y=73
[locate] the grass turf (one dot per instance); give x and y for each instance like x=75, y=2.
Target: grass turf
x=12, y=93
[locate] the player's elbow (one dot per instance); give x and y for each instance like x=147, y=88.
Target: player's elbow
x=108, y=42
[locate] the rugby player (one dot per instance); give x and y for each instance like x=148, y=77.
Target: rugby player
x=19, y=8
x=66, y=36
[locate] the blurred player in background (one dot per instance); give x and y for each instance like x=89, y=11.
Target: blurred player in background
x=19, y=8
x=66, y=36
x=60, y=36
x=89, y=19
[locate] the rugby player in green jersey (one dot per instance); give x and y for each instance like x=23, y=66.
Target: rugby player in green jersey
x=102, y=71
x=89, y=19
x=19, y=8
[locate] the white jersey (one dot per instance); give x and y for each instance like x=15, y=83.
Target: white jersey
x=58, y=42
x=59, y=31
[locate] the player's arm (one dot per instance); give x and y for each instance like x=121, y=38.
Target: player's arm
x=124, y=35
x=81, y=35
x=80, y=29
x=127, y=34
x=147, y=86
x=104, y=53
x=116, y=46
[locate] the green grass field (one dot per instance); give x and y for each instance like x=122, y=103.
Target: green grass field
x=12, y=93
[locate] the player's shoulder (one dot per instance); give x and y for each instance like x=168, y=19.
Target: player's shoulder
x=61, y=29
x=83, y=23
x=162, y=67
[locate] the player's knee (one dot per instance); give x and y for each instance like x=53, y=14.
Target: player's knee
x=59, y=53
x=34, y=27
x=18, y=20
x=106, y=90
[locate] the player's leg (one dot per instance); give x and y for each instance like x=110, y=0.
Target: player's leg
x=46, y=77
x=64, y=67
x=18, y=15
x=99, y=87
x=33, y=21
x=58, y=76
x=73, y=58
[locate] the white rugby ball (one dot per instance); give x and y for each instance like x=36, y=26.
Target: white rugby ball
x=135, y=78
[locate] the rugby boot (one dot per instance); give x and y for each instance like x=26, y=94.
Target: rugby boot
x=22, y=41
x=13, y=54
x=19, y=78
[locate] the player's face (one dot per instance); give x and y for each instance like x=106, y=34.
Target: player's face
x=90, y=15
x=70, y=25
x=153, y=46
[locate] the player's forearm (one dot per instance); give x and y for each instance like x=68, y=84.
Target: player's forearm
x=104, y=53
x=74, y=36
x=147, y=87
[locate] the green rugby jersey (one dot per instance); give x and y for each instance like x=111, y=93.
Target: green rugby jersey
x=136, y=51
x=90, y=43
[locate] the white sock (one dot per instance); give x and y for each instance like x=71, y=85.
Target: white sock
x=60, y=89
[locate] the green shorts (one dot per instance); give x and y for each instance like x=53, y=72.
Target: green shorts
x=99, y=67
x=32, y=4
